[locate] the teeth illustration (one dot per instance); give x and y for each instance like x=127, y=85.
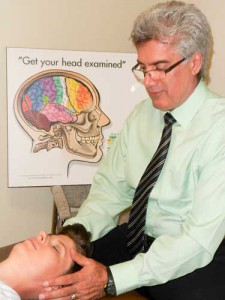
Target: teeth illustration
x=90, y=140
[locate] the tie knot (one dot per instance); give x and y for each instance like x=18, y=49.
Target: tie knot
x=169, y=119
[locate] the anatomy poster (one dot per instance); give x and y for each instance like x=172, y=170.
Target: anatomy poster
x=65, y=108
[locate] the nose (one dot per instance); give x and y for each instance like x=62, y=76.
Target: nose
x=104, y=120
x=149, y=81
x=42, y=236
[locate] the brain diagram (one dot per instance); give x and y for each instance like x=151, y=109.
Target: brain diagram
x=60, y=109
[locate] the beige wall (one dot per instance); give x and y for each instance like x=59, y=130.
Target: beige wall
x=93, y=25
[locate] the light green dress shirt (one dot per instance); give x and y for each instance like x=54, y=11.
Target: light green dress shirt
x=186, y=208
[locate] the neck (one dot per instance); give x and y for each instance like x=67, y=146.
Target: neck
x=7, y=274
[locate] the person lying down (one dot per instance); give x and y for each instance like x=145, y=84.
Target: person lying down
x=35, y=259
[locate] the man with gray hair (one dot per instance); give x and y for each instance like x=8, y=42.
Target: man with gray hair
x=171, y=175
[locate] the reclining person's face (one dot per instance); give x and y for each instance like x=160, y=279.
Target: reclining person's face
x=43, y=257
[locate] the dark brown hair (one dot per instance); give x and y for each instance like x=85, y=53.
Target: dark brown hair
x=81, y=238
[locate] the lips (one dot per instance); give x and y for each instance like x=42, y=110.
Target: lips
x=155, y=95
x=155, y=92
x=33, y=242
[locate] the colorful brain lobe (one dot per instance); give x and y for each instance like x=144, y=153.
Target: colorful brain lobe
x=80, y=95
x=53, y=99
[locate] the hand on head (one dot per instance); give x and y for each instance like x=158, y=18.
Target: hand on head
x=88, y=283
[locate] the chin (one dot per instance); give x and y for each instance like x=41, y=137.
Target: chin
x=160, y=103
x=18, y=248
x=161, y=106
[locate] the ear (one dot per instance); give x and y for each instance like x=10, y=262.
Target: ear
x=196, y=63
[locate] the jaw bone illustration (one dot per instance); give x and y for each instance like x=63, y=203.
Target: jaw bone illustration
x=61, y=109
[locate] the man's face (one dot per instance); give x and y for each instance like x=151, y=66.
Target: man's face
x=171, y=91
x=43, y=257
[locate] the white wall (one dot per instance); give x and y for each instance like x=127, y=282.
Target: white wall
x=93, y=25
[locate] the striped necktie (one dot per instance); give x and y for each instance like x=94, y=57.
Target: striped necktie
x=136, y=223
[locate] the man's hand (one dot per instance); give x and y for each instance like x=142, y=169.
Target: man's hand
x=86, y=284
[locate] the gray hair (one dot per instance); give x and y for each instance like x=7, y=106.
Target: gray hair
x=184, y=22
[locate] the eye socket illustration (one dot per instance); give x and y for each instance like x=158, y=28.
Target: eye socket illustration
x=60, y=109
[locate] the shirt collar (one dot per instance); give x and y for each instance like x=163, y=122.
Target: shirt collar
x=185, y=112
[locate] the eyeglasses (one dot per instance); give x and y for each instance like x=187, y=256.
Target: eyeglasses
x=156, y=74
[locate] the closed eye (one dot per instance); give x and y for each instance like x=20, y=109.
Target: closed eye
x=55, y=248
x=161, y=67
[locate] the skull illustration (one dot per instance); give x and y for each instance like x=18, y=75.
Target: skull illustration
x=60, y=109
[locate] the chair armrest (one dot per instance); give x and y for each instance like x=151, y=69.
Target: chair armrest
x=76, y=194
x=60, y=201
